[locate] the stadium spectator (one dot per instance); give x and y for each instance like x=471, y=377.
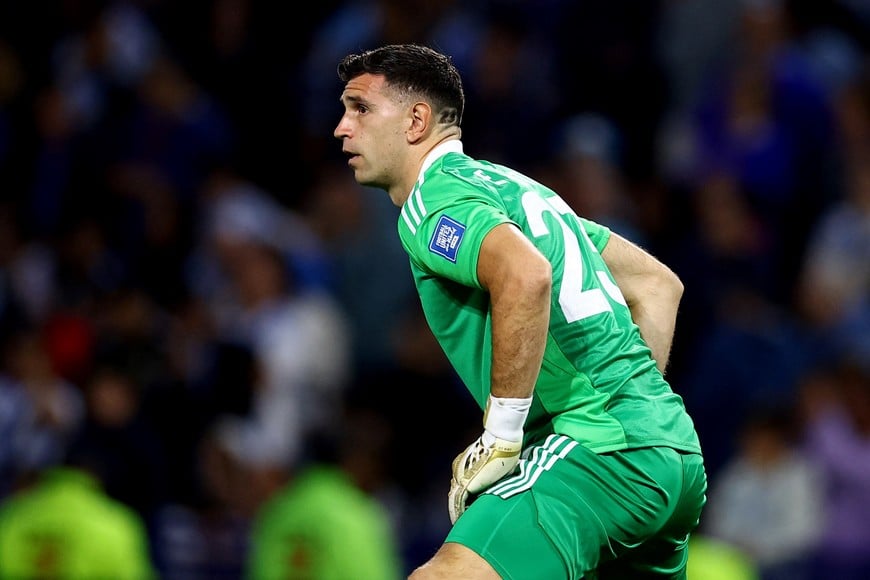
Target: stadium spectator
x=768, y=500
x=66, y=526
x=326, y=520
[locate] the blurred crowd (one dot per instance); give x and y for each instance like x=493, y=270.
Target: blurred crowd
x=197, y=298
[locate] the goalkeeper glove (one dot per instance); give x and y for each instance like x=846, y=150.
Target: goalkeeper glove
x=493, y=455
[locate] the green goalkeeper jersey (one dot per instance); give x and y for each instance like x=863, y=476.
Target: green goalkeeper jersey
x=598, y=383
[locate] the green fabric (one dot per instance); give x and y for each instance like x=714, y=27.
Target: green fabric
x=322, y=527
x=598, y=383
x=66, y=528
x=569, y=513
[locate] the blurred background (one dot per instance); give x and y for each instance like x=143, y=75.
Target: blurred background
x=196, y=295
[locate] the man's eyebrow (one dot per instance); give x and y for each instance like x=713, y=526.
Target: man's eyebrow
x=351, y=99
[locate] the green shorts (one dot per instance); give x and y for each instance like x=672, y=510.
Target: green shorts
x=571, y=513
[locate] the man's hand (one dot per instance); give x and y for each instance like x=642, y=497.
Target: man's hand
x=494, y=454
x=482, y=463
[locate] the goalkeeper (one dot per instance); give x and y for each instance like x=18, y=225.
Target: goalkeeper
x=588, y=464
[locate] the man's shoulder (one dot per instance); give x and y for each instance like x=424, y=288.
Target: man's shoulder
x=450, y=181
x=453, y=169
x=471, y=170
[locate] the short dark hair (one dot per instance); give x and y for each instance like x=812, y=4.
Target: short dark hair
x=416, y=70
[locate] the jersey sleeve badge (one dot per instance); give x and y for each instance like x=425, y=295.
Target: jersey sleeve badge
x=446, y=238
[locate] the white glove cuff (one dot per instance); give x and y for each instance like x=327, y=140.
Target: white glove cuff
x=505, y=417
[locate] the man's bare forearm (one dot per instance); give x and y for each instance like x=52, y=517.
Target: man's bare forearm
x=652, y=292
x=520, y=317
x=519, y=281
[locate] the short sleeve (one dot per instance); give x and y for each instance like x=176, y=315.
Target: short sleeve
x=598, y=233
x=446, y=241
x=443, y=234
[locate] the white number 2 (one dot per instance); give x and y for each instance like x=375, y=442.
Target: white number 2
x=576, y=303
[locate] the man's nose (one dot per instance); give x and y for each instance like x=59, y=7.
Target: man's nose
x=341, y=129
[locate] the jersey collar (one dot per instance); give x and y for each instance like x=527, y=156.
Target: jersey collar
x=442, y=149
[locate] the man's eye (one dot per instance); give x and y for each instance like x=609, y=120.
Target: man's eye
x=362, y=109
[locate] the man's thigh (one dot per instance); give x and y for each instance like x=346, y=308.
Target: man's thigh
x=568, y=510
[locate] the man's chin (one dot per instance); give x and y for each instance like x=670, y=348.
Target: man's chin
x=358, y=172
x=362, y=179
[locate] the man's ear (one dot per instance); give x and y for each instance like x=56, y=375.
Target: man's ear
x=421, y=122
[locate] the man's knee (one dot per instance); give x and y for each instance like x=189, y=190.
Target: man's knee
x=455, y=561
